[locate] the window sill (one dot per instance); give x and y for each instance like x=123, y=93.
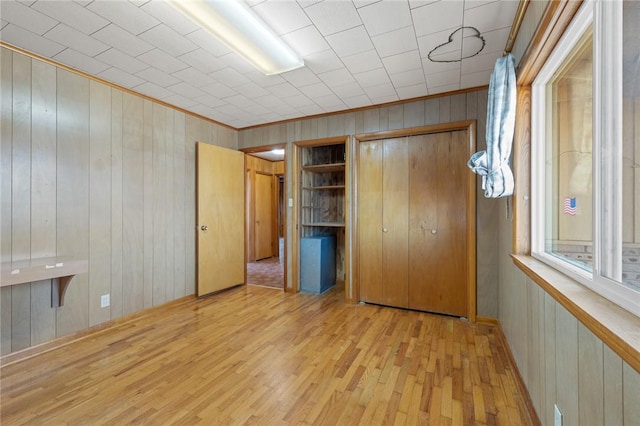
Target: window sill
x=616, y=327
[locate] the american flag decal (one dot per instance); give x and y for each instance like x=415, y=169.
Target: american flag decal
x=570, y=206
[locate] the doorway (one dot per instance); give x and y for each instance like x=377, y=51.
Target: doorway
x=265, y=216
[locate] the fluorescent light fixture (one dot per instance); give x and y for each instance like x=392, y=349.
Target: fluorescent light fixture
x=235, y=24
x=277, y=151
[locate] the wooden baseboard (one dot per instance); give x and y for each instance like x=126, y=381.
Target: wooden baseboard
x=21, y=355
x=522, y=388
x=487, y=321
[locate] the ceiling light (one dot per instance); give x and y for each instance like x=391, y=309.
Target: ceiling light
x=235, y=24
x=277, y=151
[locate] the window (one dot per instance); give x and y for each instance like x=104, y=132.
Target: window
x=586, y=153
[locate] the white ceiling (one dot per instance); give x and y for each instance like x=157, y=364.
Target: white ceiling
x=357, y=53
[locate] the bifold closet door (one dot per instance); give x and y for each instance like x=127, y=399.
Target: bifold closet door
x=438, y=264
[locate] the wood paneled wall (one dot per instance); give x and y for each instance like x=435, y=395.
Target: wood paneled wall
x=462, y=106
x=560, y=360
x=93, y=172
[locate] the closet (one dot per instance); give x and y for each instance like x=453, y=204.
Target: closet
x=416, y=221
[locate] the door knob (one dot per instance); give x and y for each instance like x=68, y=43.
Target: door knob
x=204, y=227
x=384, y=230
x=433, y=231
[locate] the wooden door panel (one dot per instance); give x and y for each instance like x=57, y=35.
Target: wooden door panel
x=370, y=221
x=263, y=216
x=220, y=192
x=395, y=214
x=423, y=221
x=452, y=187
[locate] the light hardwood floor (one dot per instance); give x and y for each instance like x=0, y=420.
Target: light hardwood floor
x=254, y=355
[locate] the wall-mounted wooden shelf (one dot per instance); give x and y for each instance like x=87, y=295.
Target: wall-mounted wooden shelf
x=320, y=188
x=62, y=269
x=324, y=168
x=325, y=224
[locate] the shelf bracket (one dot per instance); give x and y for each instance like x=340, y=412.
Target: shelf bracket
x=58, y=289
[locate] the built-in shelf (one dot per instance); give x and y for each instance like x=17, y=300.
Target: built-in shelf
x=324, y=168
x=60, y=270
x=325, y=224
x=327, y=187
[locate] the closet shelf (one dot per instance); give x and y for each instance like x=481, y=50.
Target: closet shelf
x=324, y=168
x=318, y=188
x=325, y=224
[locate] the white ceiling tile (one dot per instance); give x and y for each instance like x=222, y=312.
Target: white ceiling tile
x=32, y=42
x=407, y=78
x=323, y=62
x=348, y=90
x=475, y=79
x=491, y=16
x=237, y=62
x=76, y=40
x=193, y=76
x=219, y=90
x=153, y=90
x=121, y=78
x=363, y=3
x=437, y=67
x=435, y=17
x=312, y=109
x=470, y=4
x=3, y=23
x=298, y=101
x=26, y=17
x=168, y=40
x=419, y=3
x=171, y=17
x=330, y=102
x=333, y=16
x=72, y=14
x=443, y=45
x=478, y=63
x=357, y=101
x=262, y=80
x=186, y=89
x=495, y=41
x=383, y=90
x=361, y=62
x=80, y=61
x=394, y=42
x=351, y=41
x=181, y=101
x=126, y=42
x=209, y=100
x=268, y=101
x=444, y=89
x=282, y=16
x=307, y=3
x=443, y=79
x=240, y=101
x=316, y=90
x=161, y=60
x=120, y=60
x=229, y=77
x=125, y=15
x=372, y=78
x=256, y=109
x=414, y=91
x=337, y=77
x=251, y=90
x=157, y=77
x=284, y=90
x=209, y=43
x=203, y=61
x=402, y=62
x=301, y=77
x=385, y=16
x=306, y=41
x=384, y=99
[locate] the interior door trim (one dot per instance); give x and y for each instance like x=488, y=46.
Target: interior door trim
x=465, y=125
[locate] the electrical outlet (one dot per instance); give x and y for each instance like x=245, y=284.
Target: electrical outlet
x=557, y=416
x=104, y=301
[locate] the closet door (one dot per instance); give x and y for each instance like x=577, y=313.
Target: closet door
x=438, y=252
x=370, y=221
x=395, y=229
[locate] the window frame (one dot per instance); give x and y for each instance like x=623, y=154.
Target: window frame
x=605, y=18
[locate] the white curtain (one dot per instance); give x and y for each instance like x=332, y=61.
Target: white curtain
x=493, y=164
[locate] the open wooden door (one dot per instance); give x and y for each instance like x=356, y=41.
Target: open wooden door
x=264, y=216
x=220, y=222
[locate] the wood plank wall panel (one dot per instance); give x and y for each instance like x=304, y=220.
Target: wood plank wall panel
x=99, y=201
x=6, y=115
x=73, y=192
x=99, y=174
x=43, y=194
x=470, y=105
